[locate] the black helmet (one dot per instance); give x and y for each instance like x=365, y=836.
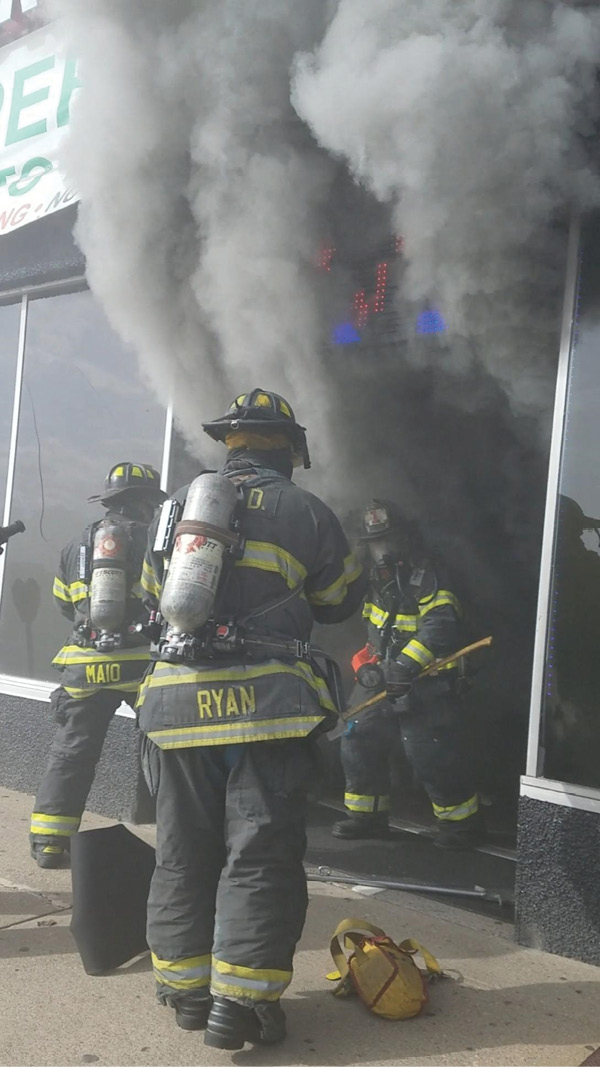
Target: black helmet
x=261, y=411
x=131, y=477
x=382, y=517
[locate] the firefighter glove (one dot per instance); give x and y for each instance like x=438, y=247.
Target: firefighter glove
x=398, y=679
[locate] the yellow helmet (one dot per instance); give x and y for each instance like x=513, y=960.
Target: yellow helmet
x=126, y=477
x=262, y=411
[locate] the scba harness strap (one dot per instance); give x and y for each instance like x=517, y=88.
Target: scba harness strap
x=233, y=640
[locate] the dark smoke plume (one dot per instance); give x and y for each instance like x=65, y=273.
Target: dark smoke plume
x=469, y=118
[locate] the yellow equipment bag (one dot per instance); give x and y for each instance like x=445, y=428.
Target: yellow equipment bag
x=384, y=974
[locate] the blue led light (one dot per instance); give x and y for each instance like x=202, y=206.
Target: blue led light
x=345, y=334
x=431, y=321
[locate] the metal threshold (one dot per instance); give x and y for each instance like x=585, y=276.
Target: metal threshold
x=408, y=827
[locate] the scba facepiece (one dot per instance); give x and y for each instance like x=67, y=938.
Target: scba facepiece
x=389, y=538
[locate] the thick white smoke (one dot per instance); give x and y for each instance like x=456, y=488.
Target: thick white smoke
x=468, y=116
x=201, y=193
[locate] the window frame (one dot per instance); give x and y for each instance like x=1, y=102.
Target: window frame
x=534, y=783
x=13, y=685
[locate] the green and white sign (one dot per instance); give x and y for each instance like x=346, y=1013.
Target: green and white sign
x=37, y=84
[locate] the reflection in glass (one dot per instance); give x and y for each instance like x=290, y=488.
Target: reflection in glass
x=83, y=408
x=571, y=705
x=9, y=342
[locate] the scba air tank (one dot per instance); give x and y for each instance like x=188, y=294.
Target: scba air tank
x=201, y=539
x=108, y=586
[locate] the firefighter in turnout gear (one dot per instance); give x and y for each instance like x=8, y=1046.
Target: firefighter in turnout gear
x=414, y=617
x=230, y=714
x=98, y=588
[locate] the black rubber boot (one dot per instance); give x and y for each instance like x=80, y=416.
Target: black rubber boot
x=50, y=857
x=194, y=1014
x=231, y=1025
x=465, y=834
x=356, y=827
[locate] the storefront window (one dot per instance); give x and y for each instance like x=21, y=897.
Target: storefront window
x=571, y=700
x=83, y=409
x=9, y=340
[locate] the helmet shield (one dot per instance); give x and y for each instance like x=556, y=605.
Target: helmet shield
x=389, y=538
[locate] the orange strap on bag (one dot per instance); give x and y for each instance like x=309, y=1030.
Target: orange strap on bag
x=383, y=974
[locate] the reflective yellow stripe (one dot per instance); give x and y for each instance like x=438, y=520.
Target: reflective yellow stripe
x=193, y=972
x=81, y=694
x=78, y=591
x=418, y=652
x=441, y=598
x=375, y=614
x=225, y=733
x=265, y=556
x=337, y=591
x=61, y=591
x=54, y=825
x=365, y=803
x=256, y=984
x=149, y=581
x=356, y=802
x=167, y=674
x=73, y=656
x=456, y=812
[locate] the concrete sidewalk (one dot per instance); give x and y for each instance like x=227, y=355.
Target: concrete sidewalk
x=502, y=1004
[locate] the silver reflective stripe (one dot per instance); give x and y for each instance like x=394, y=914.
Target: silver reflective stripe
x=49, y=825
x=417, y=651
x=336, y=592
x=457, y=812
x=166, y=674
x=270, y=557
x=73, y=655
x=252, y=985
x=199, y=976
x=442, y=598
x=211, y=734
x=375, y=614
x=355, y=802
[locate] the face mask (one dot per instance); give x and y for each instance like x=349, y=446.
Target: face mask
x=386, y=551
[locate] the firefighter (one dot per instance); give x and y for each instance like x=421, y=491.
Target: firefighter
x=414, y=617
x=100, y=667
x=230, y=739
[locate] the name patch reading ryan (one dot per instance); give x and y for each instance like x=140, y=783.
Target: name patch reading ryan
x=225, y=703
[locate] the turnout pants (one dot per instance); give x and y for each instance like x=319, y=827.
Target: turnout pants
x=436, y=739
x=75, y=751
x=228, y=898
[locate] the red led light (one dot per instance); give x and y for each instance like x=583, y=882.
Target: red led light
x=399, y=246
x=325, y=258
x=380, y=286
x=361, y=308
